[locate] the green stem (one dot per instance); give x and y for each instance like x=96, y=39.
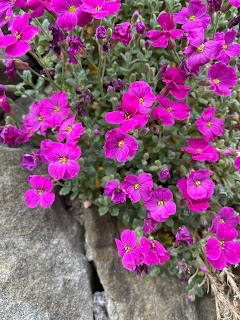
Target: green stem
x=41, y=27
x=91, y=62
x=176, y=55
x=100, y=71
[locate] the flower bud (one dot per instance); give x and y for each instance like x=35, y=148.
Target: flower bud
x=132, y=44
x=146, y=156
x=158, y=163
x=9, y=121
x=101, y=32
x=19, y=64
x=109, y=34
x=147, y=44
x=204, y=82
x=135, y=17
x=2, y=89
x=154, y=168
x=142, y=43
x=152, y=72
x=132, y=78
x=184, y=41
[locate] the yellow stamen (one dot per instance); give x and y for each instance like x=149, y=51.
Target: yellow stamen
x=137, y=186
x=127, y=249
x=63, y=160
x=40, y=191
x=225, y=47
x=141, y=100
x=72, y=9
x=191, y=18
x=199, y=150
x=57, y=109
x=222, y=244
x=200, y=49
x=41, y=118
x=17, y=36
x=7, y=18
x=98, y=8
x=216, y=80
x=127, y=116
x=118, y=190
x=222, y=221
x=169, y=109
x=120, y=144
x=197, y=183
x=209, y=124
x=161, y=203
x=69, y=128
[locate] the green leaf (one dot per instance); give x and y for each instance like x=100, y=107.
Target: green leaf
x=103, y=210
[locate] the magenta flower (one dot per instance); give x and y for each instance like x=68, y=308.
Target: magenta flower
x=62, y=158
x=201, y=52
x=129, y=117
x=70, y=130
x=201, y=150
x=123, y=33
x=140, y=27
x=199, y=186
x=235, y=3
x=29, y=161
x=25, y=134
x=169, y=110
x=6, y=16
x=11, y=69
x=223, y=250
x=183, y=235
x=22, y=32
x=55, y=109
x=35, y=120
x=45, y=144
x=164, y=174
x=10, y=135
x=76, y=46
x=114, y=190
x=40, y=192
x=70, y=13
x=209, y=126
x=38, y=7
x=153, y=252
x=222, y=78
x=160, y=204
x=161, y=38
x=237, y=160
x=138, y=187
x=127, y=250
x=194, y=16
x=174, y=80
x=143, y=91
x=100, y=9
x=4, y=103
x=119, y=146
x=226, y=215
x=149, y=223
x=229, y=50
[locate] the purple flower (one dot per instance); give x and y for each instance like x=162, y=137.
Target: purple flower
x=201, y=150
x=143, y=91
x=209, y=126
x=101, y=32
x=38, y=7
x=226, y=215
x=45, y=144
x=183, y=235
x=237, y=155
x=96, y=132
x=11, y=70
x=222, y=78
x=120, y=146
x=160, y=204
x=194, y=16
x=40, y=192
x=114, y=190
x=138, y=187
x=6, y=17
x=4, y=103
x=174, y=80
x=29, y=161
x=10, y=135
x=164, y=174
x=129, y=117
x=76, y=46
x=57, y=33
x=235, y=3
x=81, y=111
x=118, y=85
x=35, y=120
x=170, y=110
x=201, y=52
x=51, y=72
x=70, y=130
x=100, y=9
x=127, y=250
x=186, y=71
x=149, y=223
x=153, y=252
x=228, y=49
x=140, y=27
x=199, y=186
x=22, y=32
x=223, y=250
x=161, y=38
x=215, y=4
x=123, y=33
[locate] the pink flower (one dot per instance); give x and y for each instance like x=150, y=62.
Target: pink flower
x=40, y=192
x=100, y=9
x=226, y=215
x=153, y=252
x=29, y=161
x=22, y=32
x=170, y=110
x=55, y=109
x=4, y=103
x=6, y=16
x=71, y=14
x=199, y=186
x=201, y=150
x=45, y=144
x=229, y=50
x=194, y=16
x=123, y=33
x=161, y=38
x=138, y=187
x=10, y=135
x=222, y=78
x=35, y=120
x=149, y=223
x=25, y=134
x=62, y=158
x=223, y=250
x=114, y=190
x=164, y=174
x=235, y=3
x=237, y=160
x=160, y=204
x=174, y=80
x=38, y=7
x=128, y=251
x=183, y=235
x=70, y=130
x=129, y=117
x=143, y=91
x=119, y=146
x=209, y=126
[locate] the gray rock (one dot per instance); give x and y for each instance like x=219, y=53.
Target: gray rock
x=43, y=271
x=137, y=298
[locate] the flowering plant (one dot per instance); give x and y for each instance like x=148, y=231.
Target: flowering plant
x=135, y=109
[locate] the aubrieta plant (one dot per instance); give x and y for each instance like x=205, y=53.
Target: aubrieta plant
x=136, y=110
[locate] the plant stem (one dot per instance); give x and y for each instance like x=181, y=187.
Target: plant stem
x=100, y=71
x=91, y=62
x=40, y=26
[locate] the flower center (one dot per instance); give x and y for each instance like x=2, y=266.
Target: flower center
x=222, y=244
x=17, y=36
x=98, y=8
x=225, y=47
x=69, y=128
x=63, y=160
x=72, y=9
x=120, y=144
x=141, y=100
x=40, y=191
x=118, y=190
x=41, y=118
x=29, y=131
x=197, y=183
x=191, y=18
x=200, y=49
x=199, y=150
x=153, y=246
x=127, y=249
x=169, y=109
x=127, y=116
x=216, y=80
x=209, y=124
x=1, y=100
x=161, y=203
x=7, y=18
x=57, y=109
x=222, y=221
x=137, y=186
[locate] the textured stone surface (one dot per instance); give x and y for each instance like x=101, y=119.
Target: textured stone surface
x=128, y=296
x=43, y=271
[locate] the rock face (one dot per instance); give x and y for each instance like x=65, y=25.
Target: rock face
x=43, y=271
x=137, y=298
